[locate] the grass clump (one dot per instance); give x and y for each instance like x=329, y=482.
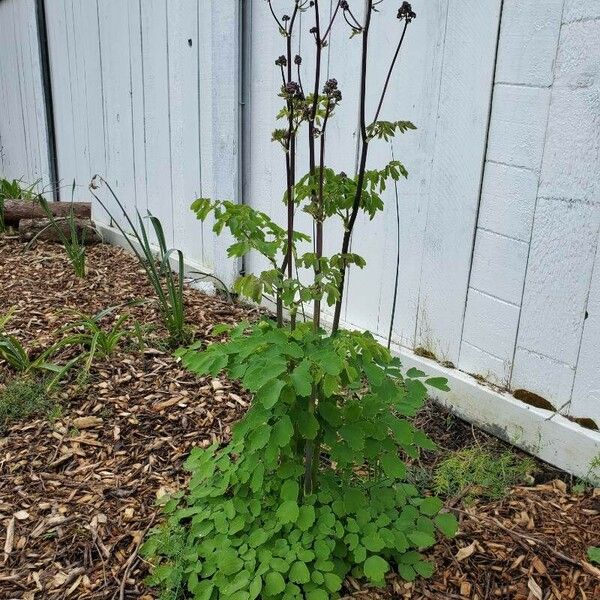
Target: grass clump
x=23, y=398
x=477, y=472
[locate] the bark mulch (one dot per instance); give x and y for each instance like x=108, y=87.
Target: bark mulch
x=78, y=492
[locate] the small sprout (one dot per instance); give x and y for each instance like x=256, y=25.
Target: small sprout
x=405, y=12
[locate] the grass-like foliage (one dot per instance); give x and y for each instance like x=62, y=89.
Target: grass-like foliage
x=255, y=523
x=593, y=554
x=22, y=398
x=73, y=242
x=167, y=286
x=477, y=472
x=97, y=341
x=13, y=352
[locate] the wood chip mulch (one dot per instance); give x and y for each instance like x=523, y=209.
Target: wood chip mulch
x=78, y=493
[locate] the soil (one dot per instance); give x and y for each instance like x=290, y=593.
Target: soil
x=78, y=492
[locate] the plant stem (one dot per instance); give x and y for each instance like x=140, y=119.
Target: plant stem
x=389, y=74
x=362, y=164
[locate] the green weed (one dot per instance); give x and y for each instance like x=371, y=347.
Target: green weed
x=23, y=398
x=477, y=472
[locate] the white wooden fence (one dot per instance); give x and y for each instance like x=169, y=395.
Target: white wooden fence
x=499, y=219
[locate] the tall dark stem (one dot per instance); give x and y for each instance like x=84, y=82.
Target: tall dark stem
x=364, y=152
x=309, y=450
x=389, y=74
x=362, y=164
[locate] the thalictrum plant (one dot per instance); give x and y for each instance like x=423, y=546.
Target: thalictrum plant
x=313, y=485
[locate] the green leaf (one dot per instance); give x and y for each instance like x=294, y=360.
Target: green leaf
x=262, y=372
x=302, y=379
x=283, y=431
x=392, y=466
x=414, y=373
x=308, y=425
x=274, y=583
x=299, y=573
x=373, y=542
x=306, y=517
x=257, y=538
x=375, y=569
x=421, y=539
x=259, y=438
x=270, y=392
x=424, y=568
x=317, y=595
x=288, y=512
x=332, y=582
x=229, y=562
x=447, y=524
x=354, y=434
x=593, y=554
x=354, y=500
x=407, y=572
x=330, y=412
x=290, y=490
x=431, y=506
x=441, y=383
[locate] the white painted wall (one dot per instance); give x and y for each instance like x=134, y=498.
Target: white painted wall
x=146, y=95
x=443, y=84
x=23, y=141
x=531, y=319
x=500, y=273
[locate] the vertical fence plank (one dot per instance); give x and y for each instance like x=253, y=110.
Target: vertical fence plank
x=184, y=122
x=157, y=112
x=465, y=94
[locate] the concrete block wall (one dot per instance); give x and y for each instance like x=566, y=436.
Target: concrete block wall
x=532, y=319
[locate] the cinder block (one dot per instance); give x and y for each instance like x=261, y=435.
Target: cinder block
x=528, y=39
x=508, y=200
x=479, y=363
x=518, y=125
x=542, y=375
x=499, y=265
x=571, y=167
x=491, y=325
x=558, y=277
x=581, y=9
x=578, y=59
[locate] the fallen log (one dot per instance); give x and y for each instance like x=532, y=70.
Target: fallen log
x=42, y=229
x=15, y=210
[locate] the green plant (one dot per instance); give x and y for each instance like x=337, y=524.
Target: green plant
x=19, y=359
x=14, y=189
x=96, y=340
x=476, y=472
x=22, y=398
x=313, y=485
x=593, y=554
x=168, y=287
x=74, y=242
x=254, y=520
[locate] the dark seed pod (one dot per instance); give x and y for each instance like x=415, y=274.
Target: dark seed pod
x=405, y=12
x=281, y=61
